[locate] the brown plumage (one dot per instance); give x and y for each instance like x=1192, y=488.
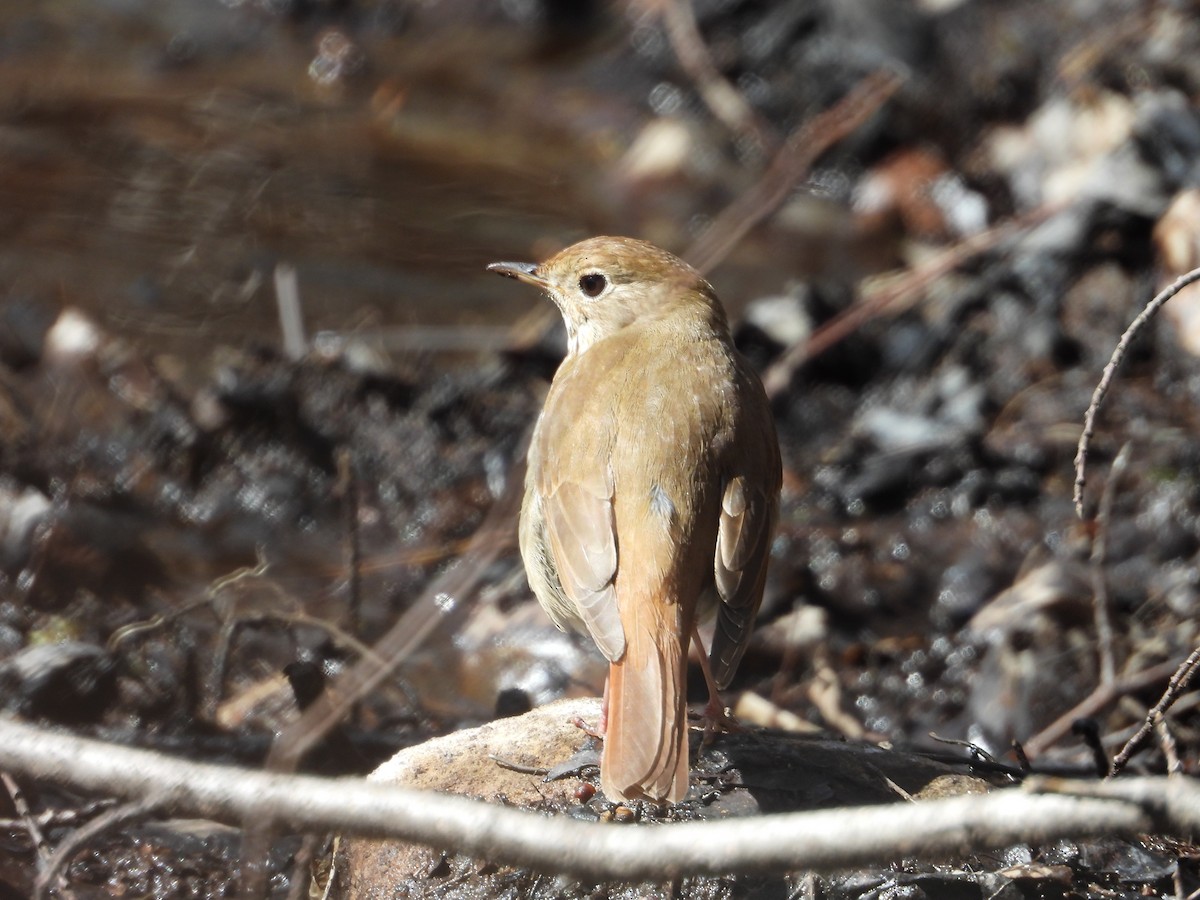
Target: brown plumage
x=651, y=493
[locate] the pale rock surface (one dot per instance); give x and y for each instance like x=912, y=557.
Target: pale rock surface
x=744, y=773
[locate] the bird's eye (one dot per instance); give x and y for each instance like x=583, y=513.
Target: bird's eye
x=592, y=284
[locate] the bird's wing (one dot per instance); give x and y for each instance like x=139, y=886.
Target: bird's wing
x=582, y=535
x=743, y=541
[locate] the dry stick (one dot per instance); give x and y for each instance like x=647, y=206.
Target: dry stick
x=1176, y=686
x=41, y=845
x=291, y=316
x=1170, y=750
x=302, y=867
x=780, y=373
x=1110, y=371
x=21, y=806
x=81, y=837
x=338, y=636
x=823, y=839
x=62, y=818
x=722, y=98
x=793, y=161
x=208, y=600
x=1100, y=697
x=1103, y=619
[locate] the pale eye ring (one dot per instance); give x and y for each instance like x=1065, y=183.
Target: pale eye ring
x=593, y=284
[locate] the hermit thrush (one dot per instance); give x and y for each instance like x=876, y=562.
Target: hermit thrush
x=651, y=494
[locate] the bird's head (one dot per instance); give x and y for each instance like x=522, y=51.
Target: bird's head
x=604, y=284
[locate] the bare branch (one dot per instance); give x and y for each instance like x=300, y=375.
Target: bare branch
x=52, y=871
x=1097, y=700
x=1110, y=372
x=1176, y=686
x=1169, y=747
x=722, y=99
x=793, y=161
x=21, y=806
x=291, y=316
x=895, y=291
x=1100, y=605
x=814, y=840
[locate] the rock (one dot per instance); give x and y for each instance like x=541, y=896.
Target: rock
x=744, y=773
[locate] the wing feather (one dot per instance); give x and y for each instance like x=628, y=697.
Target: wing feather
x=743, y=541
x=582, y=535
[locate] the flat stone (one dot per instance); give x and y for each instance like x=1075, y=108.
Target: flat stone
x=743, y=773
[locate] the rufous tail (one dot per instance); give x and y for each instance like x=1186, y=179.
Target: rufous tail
x=646, y=743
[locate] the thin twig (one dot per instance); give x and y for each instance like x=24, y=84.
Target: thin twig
x=291, y=316
x=55, y=866
x=520, y=768
x=977, y=753
x=1099, y=698
x=1176, y=686
x=21, y=805
x=793, y=161
x=40, y=844
x=1101, y=613
x=1110, y=371
x=62, y=818
x=302, y=867
x=898, y=289
x=1167, y=742
x=214, y=683
x=723, y=100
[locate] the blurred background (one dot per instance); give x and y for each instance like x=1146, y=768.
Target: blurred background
x=257, y=390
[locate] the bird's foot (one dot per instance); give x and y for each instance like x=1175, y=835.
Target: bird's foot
x=597, y=733
x=716, y=719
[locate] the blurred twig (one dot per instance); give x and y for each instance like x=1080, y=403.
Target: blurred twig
x=722, y=98
x=1110, y=371
x=1176, y=686
x=899, y=289
x=1102, y=696
x=1103, y=618
x=52, y=876
x=793, y=161
x=1169, y=748
x=291, y=316
x=49, y=872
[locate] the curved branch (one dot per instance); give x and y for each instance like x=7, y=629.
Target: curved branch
x=1110, y=372
x=826, y=839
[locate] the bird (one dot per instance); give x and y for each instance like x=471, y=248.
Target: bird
x=651, y=494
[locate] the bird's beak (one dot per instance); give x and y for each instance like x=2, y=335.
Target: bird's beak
x=526, y=272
